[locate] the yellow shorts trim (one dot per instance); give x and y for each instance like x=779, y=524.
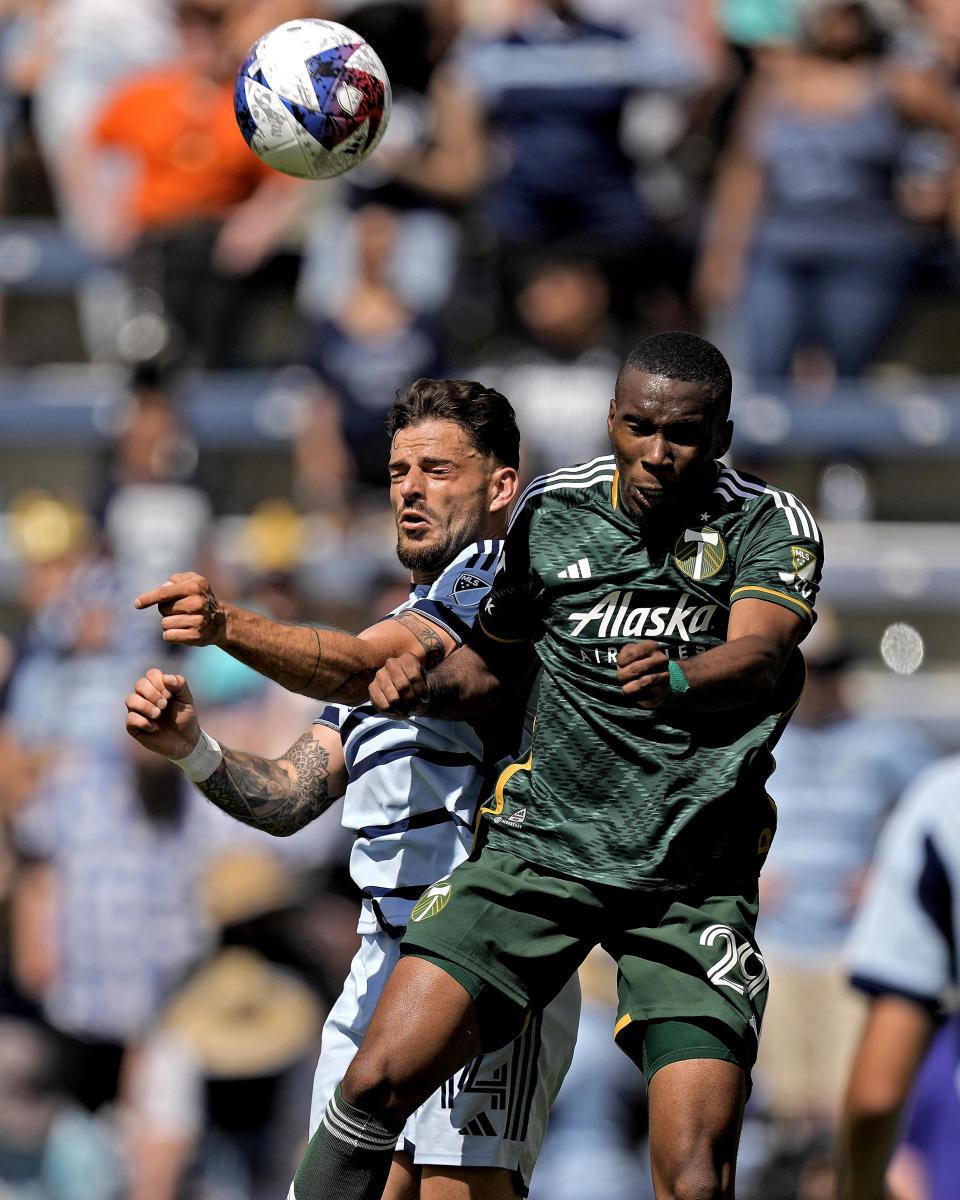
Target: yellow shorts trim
x=624, y=1021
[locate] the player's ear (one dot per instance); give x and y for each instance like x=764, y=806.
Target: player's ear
x=503, y=488
x=611, y=417
x=724, y=439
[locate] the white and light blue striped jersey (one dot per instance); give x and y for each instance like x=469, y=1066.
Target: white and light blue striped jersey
x=904, y=940
x=415, y=785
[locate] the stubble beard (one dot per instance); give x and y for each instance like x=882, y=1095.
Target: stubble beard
x=432, y=557
x=437, y=554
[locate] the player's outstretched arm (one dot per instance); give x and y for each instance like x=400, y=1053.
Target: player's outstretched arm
x=761, y=636
x=278, y=795
x=324, y=663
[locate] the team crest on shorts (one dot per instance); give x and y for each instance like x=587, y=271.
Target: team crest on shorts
x=433, y=900
x=699, y=553
x=469, y=589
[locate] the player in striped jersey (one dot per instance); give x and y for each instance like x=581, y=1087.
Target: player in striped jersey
x=904, y=954
x=664, y=597
x=412, y=788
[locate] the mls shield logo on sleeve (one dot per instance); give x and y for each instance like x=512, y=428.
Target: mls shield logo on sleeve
x=804, y=568
x=469, y=590
x=699, y=553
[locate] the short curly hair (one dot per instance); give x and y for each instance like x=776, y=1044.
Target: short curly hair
x=684, y=356
x=486, y=416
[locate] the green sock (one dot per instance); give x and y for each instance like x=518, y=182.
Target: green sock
x=348, y=1157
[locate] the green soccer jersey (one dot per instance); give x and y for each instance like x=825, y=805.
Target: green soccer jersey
x=608, y=791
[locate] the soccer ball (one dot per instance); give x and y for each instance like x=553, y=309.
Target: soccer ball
x=312, y=98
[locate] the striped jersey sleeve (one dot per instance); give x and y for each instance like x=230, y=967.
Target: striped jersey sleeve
x=781, y=555
x=453, y=600
x=333, y=716
x=904, y=939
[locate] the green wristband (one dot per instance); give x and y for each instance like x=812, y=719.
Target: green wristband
x=678, y=681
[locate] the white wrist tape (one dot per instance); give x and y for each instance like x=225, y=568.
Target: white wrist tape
x=202, y=760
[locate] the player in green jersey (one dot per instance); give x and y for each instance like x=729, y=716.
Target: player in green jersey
x=665, y=597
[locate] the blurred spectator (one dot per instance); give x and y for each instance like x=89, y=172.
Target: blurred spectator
x=839, y=773
x=687, y=18
x=49, y=1148
x=903, y=955
x=80, y=634
x=103, y=936
x=100, y=936
x=372, y=345
x=153, y=515
x=107, y=904
x=200, y=212
x=209, y=1108
x=422, y=262
x=749, y=24
x=551, y=87
x=930, y=184
x=804, y=232
x=528, y=111
x=560, y=376
x=82, y=49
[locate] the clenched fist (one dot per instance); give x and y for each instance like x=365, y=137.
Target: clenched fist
x=161, y=715
x=643, y=674
x=399, y=688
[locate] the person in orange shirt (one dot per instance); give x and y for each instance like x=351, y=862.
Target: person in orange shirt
x=197, y=211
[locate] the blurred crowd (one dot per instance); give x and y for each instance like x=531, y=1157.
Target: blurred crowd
x=559, y=178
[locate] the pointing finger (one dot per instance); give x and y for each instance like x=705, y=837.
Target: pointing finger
x=166, y=591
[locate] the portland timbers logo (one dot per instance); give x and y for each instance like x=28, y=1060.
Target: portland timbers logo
x=699, y=553
x=432, y=901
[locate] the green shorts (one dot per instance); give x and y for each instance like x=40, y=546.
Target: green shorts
x=522, y=931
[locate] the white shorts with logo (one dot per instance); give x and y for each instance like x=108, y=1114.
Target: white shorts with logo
x=494, y=1112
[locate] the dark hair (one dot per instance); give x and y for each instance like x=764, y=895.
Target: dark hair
x=875, y=32
x=679, y=355
x=483, y=414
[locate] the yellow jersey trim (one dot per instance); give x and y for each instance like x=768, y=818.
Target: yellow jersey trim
x=750, y=587
x=624, y=1021
x=615, y=490
x=493, y=637
x=493, y=810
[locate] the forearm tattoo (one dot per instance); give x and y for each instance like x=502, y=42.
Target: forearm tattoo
x=426, y=634
x=260, y=792
x=316, y=662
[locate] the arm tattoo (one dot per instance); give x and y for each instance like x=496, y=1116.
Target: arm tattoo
x=316, y=663
x=426, y=634
x=260, y=792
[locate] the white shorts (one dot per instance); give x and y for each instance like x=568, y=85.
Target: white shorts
x=494, y=1112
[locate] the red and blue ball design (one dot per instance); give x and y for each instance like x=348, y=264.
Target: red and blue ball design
x=312, y=98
